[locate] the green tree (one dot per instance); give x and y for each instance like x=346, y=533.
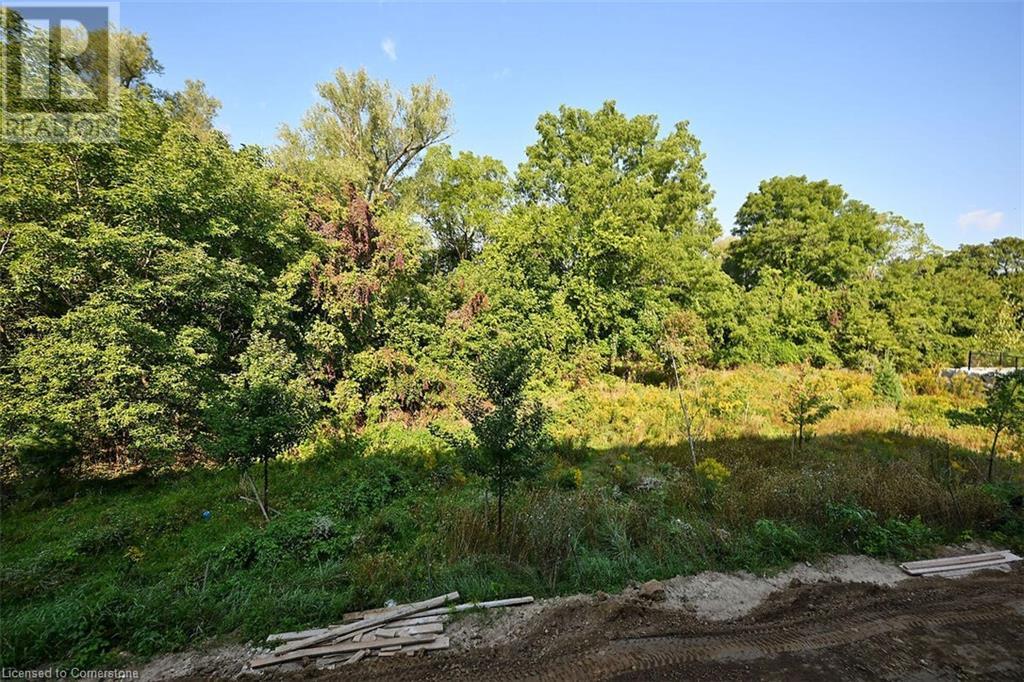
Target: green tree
x=1002, y=412
x=194, y=107
x=266, y=409
x=366, y=133
x=1002, y=260
x=137, y=61
x=509, y=427
x=614, y=221
x=806, y=405
x=811, y=229
x=886, y=383
x=783, y=319
x=460, y=198
x=129, y=277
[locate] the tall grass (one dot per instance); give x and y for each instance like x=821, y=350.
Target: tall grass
x=113, y=568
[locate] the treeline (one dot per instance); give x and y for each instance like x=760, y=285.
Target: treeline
x=157, y=290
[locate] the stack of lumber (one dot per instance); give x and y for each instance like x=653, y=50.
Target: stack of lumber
x=959, y=563
x=393, y=630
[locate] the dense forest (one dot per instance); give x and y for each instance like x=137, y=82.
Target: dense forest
x=363, y=265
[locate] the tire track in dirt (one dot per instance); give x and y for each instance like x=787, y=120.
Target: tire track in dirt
x=973, y=627
x=647, y=654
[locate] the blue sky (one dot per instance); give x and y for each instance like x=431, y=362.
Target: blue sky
x=913, y=107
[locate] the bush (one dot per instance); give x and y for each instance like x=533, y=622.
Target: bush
x=886, y=383
x=713, y=472
x=569, y=478
x=775, y=543
x=858, y=528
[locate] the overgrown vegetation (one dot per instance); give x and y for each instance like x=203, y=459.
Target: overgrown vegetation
x=1002, y=411
x=339, y=310
x=138, y=277
x=131, y=565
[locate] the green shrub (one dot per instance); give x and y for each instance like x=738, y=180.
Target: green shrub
x=886, y=383
x=569, y=478
x=775, y=543
x=859, y=529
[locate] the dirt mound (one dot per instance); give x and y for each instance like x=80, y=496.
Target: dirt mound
x=725, y=596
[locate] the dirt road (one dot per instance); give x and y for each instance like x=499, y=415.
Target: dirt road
x=919, y=629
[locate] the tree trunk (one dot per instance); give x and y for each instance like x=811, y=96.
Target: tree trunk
x=266, y=484
x=501, y=509
x=992, y=454
x=686, y=415
x=501, y=482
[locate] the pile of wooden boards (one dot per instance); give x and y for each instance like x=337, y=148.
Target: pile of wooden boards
x=959, y=563
x=403, y=628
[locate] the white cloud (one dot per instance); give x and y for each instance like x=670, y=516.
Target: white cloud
x=982, y=219
x=390, y=49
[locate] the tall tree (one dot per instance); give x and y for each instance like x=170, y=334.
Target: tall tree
x=615, y=217
x=194, y=107
x=809, y=229
x=460, y=198
x=366, y=133
x=1003, y=261
x=130, y=276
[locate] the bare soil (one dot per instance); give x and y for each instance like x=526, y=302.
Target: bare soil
x=804, y=624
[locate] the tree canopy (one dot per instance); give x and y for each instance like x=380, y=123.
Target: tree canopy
x=139, y=280
x=810, y=229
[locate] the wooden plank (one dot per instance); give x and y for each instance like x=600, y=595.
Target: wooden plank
x=303, y=634
x=410, y=630
x=357, y=636
x=949, y=561
x=442, y=642
x=471, y=606
x=326, y=662
x=345, y=647
x=954, y=569
x=947, y=564
x=965, y=567
x=421, y=620
x=493, y=604
x=368, y=613
x=369, y=623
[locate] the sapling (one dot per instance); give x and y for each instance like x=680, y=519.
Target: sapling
x=886, y=383
x=266, y=410
x=1002, y=411
x=683, y=343
x=807, y=405
x=509, y=428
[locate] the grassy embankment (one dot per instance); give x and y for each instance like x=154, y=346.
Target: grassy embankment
x=128, y=567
